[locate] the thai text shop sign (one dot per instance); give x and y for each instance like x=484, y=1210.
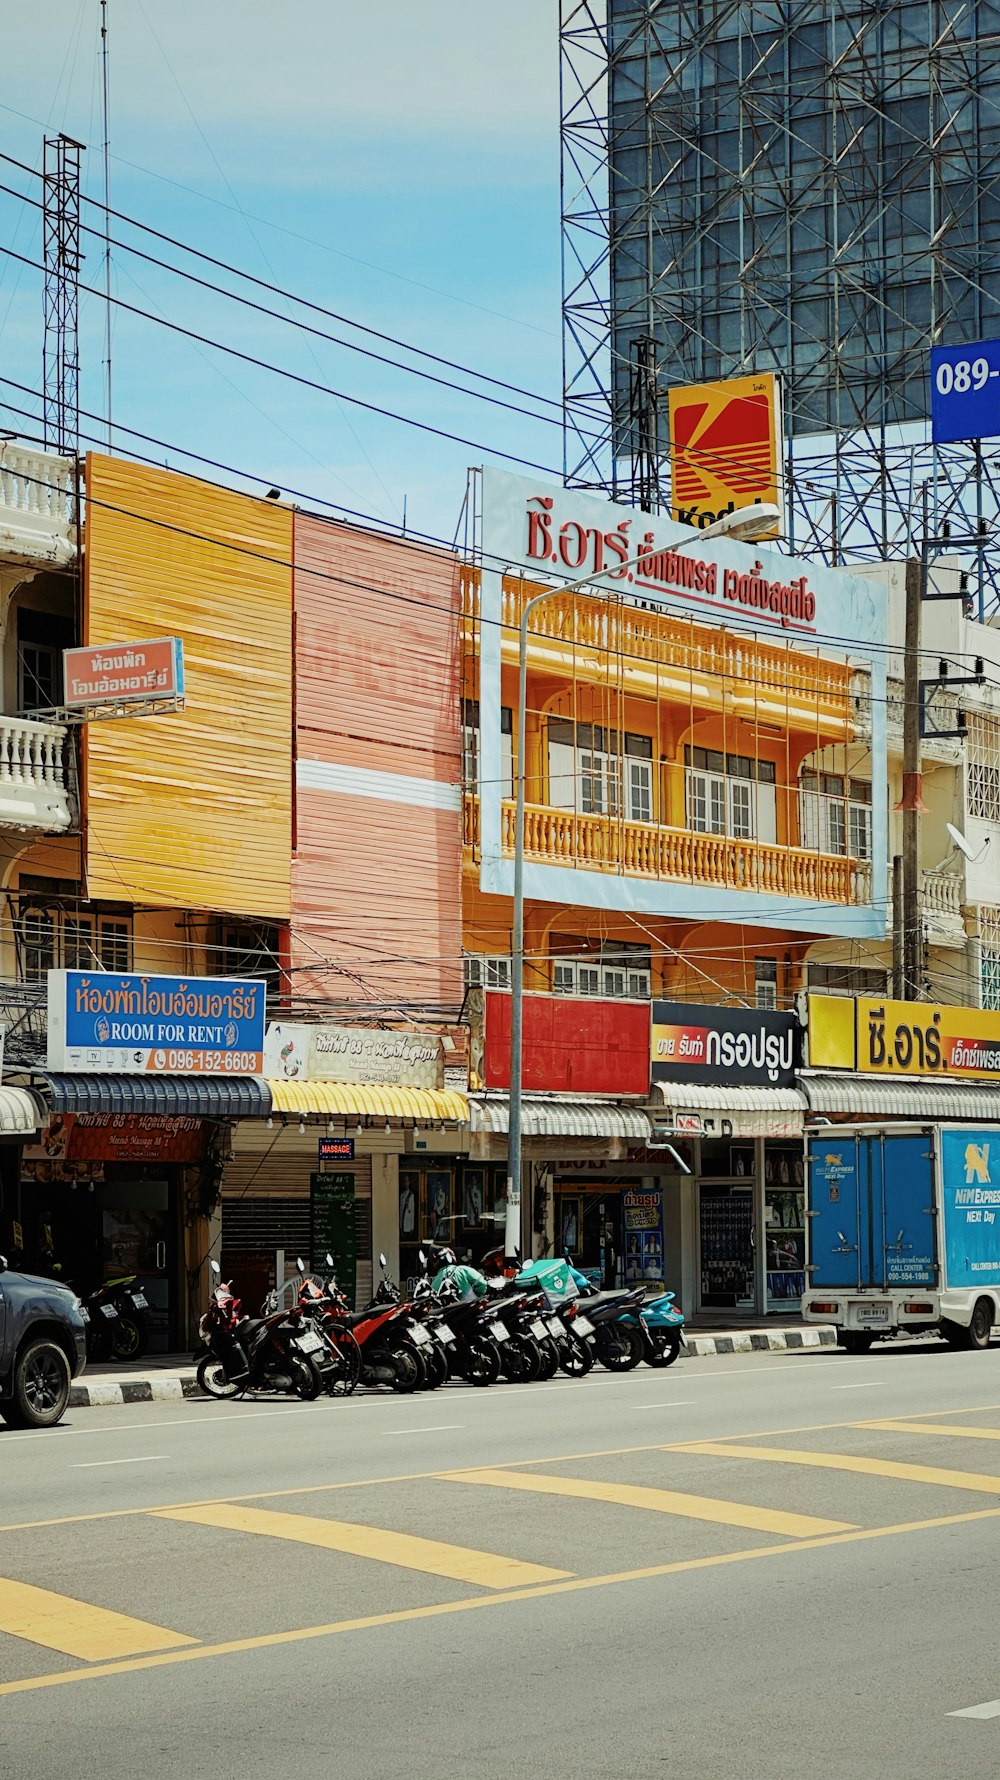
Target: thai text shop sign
x=120, y=673
x=131, y=1025
x=727, y=1046
x=353, y=1054
x=904, y=1038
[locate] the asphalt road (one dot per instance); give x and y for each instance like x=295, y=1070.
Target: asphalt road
x=765, y=1565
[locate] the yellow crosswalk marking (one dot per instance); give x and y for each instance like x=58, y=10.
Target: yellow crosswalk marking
x=946, y=1432
x=76, y=1628
x=627, y=1495
x=458, y=1562
x=836, y=1461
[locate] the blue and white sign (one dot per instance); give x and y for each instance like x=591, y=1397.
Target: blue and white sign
x=970, y=1180
x=965, y=392
x=137, y=1025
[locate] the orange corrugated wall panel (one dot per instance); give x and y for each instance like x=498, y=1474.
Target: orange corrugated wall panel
x=192, y=810
x=376, y=878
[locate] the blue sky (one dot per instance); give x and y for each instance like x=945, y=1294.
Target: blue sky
x=398, y=164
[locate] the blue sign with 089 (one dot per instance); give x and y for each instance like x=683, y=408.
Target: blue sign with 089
x=965, y=392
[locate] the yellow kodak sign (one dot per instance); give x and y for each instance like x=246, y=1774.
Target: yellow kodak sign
x=725, y=448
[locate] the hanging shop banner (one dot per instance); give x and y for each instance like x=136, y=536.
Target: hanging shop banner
x=642, y=1234
x=119, y=1137
x=333, y=1227
x=726, y=448
x=904, y=1038
x=133, y=1025
x=353, y=1054
x=124, y=673
x=728, y=1046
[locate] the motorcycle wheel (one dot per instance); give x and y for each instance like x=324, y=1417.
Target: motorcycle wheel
x=211, y=1376
x=576, y=1357
x=663, y=1347
x=532, y=1358
x=621, y=1347
x=481, y=1363
x=514, y=1360
x=407, y=1370
x=306, y=1380
x=437, y=1368
x=346, y=1357
x=550, y=1359
x=128, y=1341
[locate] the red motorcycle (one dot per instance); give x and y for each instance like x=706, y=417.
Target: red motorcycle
x=382, y=1332
x=274, y=1353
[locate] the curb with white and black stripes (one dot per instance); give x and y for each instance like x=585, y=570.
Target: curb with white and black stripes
x=101, y=1394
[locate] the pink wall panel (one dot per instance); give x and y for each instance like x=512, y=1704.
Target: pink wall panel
x=376, y=909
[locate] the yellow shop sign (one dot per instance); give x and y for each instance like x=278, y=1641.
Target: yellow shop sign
x=903, y=1038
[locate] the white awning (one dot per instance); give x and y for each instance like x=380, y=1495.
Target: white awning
x=550, y=1116
x=748, y=1112
x=20, y=1114
x=882, y=1097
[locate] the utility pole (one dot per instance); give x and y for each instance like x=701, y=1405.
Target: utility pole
x=912, y=803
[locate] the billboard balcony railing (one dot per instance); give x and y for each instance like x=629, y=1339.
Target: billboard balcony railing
x=677, y=658
x=36, y=775
x=37, y=505
x=675, y=855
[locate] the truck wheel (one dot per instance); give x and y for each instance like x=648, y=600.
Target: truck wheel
x=856, y=1341
x=979, y=1330
x=41, y=1387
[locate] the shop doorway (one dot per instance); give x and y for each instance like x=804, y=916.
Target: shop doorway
x=137, y=1236
x=588, y=1229
x=726, y=1246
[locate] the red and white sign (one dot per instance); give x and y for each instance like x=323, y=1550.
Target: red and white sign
x=120, y=673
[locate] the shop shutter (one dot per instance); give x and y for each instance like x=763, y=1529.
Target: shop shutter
x=265, y=1197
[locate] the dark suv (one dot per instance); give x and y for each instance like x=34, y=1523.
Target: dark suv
x=43, y=1346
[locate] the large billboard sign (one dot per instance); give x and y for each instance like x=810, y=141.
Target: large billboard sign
x=725, y=448
x=124, y=673
x=904, y=1038
x=727, y=1046
x=103, y=1023
x=965, y=392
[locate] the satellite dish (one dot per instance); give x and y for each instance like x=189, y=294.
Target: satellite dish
x=958, y=840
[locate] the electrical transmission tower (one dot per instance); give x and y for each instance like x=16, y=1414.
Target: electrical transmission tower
x=61, y=350
x=811, y=189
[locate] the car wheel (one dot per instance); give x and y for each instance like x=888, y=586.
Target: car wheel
x=856, y=1341
x=979, y=1330
x=41, y=1387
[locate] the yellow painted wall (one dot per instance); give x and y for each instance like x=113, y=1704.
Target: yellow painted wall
x=192, y=810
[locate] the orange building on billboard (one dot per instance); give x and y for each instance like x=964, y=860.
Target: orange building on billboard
x=725, y=447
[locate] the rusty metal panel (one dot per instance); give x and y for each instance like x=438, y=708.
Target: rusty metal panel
x=192, y=810
x=376, y=905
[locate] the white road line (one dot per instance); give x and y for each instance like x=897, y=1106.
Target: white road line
x=64, y=1433
x=991, y=1709
x=676, y=1403
x=868, y=1385
x=149, y=1458
x=439, y=1428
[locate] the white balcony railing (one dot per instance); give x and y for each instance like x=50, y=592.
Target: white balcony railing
x=36, y=789
x=37, y=505
x=940, y=903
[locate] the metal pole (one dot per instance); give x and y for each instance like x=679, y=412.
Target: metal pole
x=897, y=927
x=912, y=801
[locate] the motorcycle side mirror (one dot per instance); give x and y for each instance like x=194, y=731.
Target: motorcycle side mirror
x=300, y=1265
x=214, y=1265
x=383, y=1263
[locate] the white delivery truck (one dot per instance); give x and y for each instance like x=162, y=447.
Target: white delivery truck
x=904, y=1232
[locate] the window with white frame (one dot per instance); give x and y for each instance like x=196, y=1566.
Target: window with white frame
x=982, y=754
x=600, y=771
x=51, y=936
x=989, y=936
x=731, y=794
x=487, y=972
x=620, y=970
x=765, y=980
x=835, y=814
x=470, y=747
x=846, y=979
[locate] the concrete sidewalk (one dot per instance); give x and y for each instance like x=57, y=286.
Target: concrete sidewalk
x=165, y=1378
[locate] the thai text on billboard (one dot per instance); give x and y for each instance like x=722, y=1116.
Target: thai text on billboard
x=119, y=673
x=134, y=1025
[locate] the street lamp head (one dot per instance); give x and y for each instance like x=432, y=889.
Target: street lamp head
x=744, y=522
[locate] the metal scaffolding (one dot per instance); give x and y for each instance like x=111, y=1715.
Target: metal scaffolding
x=810, y=188
x=61, y=239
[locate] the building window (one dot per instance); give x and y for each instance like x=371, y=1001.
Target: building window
x=989, y=935
x=37, y=944
x=470, y=747
x=835, y=814
x=731, y=794
x=245, y=949
x=982, y=753
x=52, y=937
x=599, y=771
x=114, y=943
x=846, y=979
x=41, y=639
x=487, y=972
x=616, y=969
x=765, y=982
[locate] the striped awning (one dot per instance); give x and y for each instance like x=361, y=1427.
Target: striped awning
x=179, y=1096
x=553, y=1117
x=748, y=1111
x=371, y=1100
x=20, y=1113
x=882, y=1097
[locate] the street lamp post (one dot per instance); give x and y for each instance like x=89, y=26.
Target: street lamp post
x=742, y=522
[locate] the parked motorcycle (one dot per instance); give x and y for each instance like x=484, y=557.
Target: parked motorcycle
x=274, y=1353
x=130, y=1331
x=662, y=1327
